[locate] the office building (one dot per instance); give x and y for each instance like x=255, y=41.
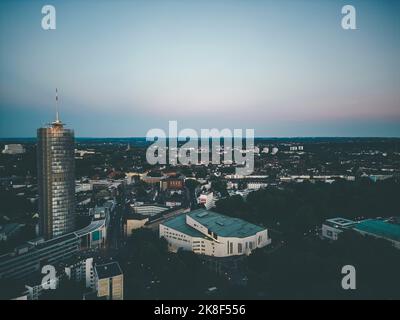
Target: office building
x=56, y=179
x=29, y=258
x=148, y=210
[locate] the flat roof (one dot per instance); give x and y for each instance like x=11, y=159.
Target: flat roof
x=40, y=246
x=224, y=226
x=380, y=228
x=108, y=270
x=179, y=224
x=60, y=239
x=341, y=222
x=93, y=226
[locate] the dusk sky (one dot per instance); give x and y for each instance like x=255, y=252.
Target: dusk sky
x=283, y=68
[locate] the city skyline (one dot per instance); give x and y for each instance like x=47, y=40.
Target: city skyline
x=199, y=150
x=286, y=69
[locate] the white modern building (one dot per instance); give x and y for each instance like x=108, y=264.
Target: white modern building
x=209, y=233
x=256, y=185
x=13, y=149
x=207, y=199
x=148, y=210
x=331, y=228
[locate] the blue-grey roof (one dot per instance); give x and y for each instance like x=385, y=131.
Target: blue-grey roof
x=380, y=228
x=108, y=270
x=224, y=226
x=179, y=224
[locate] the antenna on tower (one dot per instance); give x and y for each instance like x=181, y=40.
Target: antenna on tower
x=57, y=115
x=57, y=122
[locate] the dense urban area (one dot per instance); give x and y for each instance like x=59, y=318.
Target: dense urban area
x=326, y=203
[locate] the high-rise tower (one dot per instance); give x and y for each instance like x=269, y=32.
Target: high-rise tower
x=56, y=178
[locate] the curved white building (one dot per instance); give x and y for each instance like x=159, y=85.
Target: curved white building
x=213, y=234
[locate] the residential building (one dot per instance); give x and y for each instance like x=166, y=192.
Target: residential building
x=109, y=281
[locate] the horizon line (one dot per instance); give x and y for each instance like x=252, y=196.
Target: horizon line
x=256, y=137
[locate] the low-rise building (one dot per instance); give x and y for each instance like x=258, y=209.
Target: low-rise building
x=101, y=212
x=213, y=234
x=9, y=230
x=81, y=270
x=28, y=259
x=133, y=222
x=149, y=209
x=13, y=149
x=378, y=228
x=388, y=229
x=331, y=228
x=109, y=281
x=171, y=183
x=206, y=199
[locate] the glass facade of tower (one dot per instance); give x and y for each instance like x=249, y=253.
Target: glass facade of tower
x=56, y=180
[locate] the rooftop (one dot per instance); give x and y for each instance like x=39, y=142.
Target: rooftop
x=58, y=240
x=108, y=270
x=224, y=226
x=380, y=228
x=340, y=222
x=93, y=226
x=10, y=227
x=179, y=224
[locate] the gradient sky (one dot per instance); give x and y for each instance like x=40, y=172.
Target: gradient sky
x=284, y=68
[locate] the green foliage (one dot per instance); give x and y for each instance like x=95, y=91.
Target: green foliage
x=233, y=206
x=301, y=207
x=151, y=272
x=219, y=185
x=311, y=269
